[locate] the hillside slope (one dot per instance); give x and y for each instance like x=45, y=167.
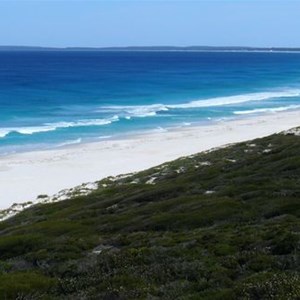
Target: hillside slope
x=217, y=225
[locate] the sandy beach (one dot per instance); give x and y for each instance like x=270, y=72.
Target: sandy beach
x=24, y=176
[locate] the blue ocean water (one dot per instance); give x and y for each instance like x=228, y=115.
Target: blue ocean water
x=51, y=99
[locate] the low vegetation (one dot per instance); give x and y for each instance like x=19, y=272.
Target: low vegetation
x=224, y=224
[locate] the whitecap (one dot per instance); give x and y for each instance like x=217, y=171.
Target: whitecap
x=151, y=110
x=53, y=126
x=139, y=111
x=266, y=110
x=220, y=101
x=4, y=132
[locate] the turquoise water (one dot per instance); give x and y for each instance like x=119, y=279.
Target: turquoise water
x=51, y=99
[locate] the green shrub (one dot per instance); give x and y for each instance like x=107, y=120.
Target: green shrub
x=281, y=286
x=14, y=245
x=15, y=284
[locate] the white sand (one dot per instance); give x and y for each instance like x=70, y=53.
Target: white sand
x=24, y=176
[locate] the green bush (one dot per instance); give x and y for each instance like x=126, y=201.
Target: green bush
x=281, y=286
x=14, y=245
x=17, y=284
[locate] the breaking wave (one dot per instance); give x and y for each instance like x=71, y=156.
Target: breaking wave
x=152, y=110
x=138, y=111
x=220, y=101
x=53, y=126
x=141, y=111
x=266, y=110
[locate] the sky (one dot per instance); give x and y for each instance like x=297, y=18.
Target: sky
x=85, y=23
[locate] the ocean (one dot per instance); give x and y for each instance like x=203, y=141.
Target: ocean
x=50, y=99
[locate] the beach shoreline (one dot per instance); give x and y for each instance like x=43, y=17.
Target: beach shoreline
x=24, y=176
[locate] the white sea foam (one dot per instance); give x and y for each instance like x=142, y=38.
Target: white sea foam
x=71, y=142
x=160, y=129
x=82, y=123
x=147, y=111
x=219, y=101
x=53, y=126
x=152, y=109
x=104, y=137
x=4, y=132
x=139, y=111
x=26, y=130
x=266, y=110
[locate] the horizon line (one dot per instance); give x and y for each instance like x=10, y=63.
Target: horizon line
x=152, y=46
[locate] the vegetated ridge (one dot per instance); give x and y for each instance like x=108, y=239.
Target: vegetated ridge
x=222, y=224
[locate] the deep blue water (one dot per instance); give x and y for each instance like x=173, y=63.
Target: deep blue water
x=49, y=99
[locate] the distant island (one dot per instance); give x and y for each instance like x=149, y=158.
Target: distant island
x=153, y=48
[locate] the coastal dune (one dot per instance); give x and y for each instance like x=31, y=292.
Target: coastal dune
x=24, y=176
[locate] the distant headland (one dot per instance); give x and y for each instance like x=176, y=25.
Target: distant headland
x=154, y=48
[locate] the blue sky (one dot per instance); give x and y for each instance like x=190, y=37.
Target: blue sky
x=143, y=23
